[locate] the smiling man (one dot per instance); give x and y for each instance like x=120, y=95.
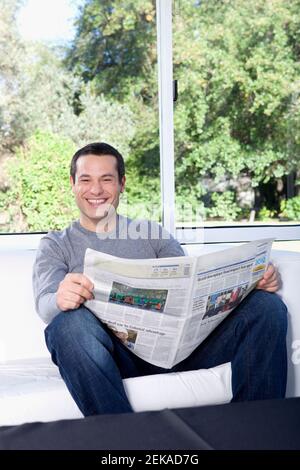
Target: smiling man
x=96, y=187
x=91, y=359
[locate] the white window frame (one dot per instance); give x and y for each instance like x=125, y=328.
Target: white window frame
x=166, y=122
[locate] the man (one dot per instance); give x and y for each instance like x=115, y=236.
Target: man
x=91, y=360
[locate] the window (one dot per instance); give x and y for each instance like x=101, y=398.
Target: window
x=58, y=94
x=236, y=121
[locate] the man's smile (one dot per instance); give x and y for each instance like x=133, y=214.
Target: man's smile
x=96, y=202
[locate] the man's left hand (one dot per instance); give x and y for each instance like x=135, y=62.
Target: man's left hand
x=270, y=281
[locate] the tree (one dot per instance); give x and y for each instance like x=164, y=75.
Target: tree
x=41, y=187
x=238, y=67
x=10, y=58
x=115, y=47
x=53, y=100
x=237, y=118
x=115, y=51
x=237, y=63
x=46, y=114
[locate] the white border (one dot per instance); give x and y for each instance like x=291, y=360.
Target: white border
x=166, y=123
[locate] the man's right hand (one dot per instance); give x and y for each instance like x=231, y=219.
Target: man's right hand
x=75, y=289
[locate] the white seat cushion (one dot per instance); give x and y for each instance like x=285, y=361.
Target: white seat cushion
x=32, y=390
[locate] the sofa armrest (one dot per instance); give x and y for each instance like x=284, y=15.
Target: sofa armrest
x=180, y=389
x=288, y=264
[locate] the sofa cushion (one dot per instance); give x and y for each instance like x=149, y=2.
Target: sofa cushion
x=21, y=329
x=32, y=390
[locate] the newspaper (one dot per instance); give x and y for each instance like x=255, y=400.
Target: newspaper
x=163, y=308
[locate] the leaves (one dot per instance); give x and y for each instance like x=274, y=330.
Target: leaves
x=115, y=46
x=40, y=182
x=237, y=117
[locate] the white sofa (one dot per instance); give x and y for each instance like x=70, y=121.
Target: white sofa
x=31, y=388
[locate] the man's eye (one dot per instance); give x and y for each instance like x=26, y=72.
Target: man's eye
x=107, y=180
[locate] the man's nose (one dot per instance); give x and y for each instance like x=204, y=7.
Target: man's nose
x=96, y=188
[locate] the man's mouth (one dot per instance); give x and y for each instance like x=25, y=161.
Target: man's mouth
x=97, y=202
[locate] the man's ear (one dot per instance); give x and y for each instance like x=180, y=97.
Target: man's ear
x=72, y=182
x=123, y=181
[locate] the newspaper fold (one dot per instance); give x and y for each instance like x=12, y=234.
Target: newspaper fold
x=163, y=308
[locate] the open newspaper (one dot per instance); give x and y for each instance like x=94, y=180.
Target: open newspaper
x=163, y=308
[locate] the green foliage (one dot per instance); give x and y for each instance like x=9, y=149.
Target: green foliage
x=290, y=208
x=238, y=113
x=68, y=107
x=115, y=46
x=103, y=120
x=237, y=63
x=11, y=52
x=266, y=214
x=224, y=206
x=3, y=200
x=238, y=73
x=40, y=182
x=142, y=195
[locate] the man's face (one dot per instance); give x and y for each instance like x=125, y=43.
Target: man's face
x=96, y=188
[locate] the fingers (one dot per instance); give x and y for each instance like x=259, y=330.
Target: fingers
x=81, y=279
x=81, y=291
x=273, y=287
x=67, y=302
x=270, y=281
x=270, y=271
x=73, y=291
x=71, y=301
x=79, y=284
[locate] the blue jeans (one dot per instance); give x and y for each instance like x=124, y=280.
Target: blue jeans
x=93, y=362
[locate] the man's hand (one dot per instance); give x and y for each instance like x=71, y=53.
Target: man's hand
x=270, y=281
x=75, y=289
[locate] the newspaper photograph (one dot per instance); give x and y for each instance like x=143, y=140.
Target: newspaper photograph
x=163, y=308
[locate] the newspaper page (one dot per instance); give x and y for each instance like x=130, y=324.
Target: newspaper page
x=163, y=308
x=221, y=281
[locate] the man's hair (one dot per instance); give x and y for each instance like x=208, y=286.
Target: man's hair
x=98, y=148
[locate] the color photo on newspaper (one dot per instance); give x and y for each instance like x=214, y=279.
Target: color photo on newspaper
x=147, y=299
x=225, y=300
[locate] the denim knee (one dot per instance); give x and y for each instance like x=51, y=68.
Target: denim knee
x=76, y=327
x=271, y=309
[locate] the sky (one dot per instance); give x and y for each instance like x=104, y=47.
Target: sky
x=47, y=20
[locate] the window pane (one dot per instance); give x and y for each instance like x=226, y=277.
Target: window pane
x=237, y=126
x=92, y=79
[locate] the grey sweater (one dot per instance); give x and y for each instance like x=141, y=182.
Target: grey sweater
x=63, y=252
